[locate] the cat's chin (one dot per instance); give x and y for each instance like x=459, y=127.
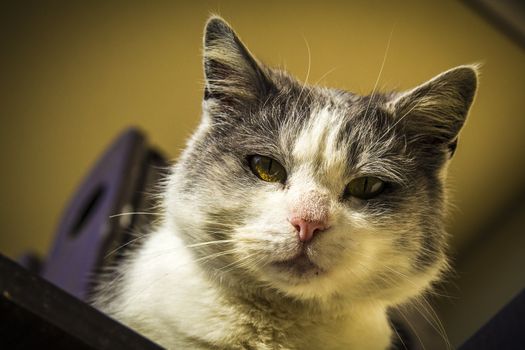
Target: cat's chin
x=298, y=268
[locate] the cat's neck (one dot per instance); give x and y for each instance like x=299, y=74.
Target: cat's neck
x=266, y=300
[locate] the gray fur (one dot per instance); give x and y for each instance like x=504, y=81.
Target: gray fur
x=402, y=138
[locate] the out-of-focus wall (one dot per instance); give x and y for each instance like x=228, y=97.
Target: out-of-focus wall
x=73, y=75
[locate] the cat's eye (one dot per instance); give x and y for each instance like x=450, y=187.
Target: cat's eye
x=267, y=169
x=365, y=187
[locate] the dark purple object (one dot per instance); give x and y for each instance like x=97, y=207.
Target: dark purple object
x=506, y=330
x=86, y=233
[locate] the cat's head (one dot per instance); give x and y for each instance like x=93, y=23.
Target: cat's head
x=316, y=192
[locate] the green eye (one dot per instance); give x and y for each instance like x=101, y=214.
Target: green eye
x=267, y=169
x=365, y=187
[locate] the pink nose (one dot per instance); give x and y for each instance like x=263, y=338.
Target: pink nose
x=307, y=229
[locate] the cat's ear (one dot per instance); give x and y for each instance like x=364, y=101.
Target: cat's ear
x=232, y=74
x=435, y=111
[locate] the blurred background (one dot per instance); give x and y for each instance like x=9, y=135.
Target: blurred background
x=73, y=75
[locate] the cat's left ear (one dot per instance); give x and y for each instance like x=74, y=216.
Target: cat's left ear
x=435, y=111
x=233, y=75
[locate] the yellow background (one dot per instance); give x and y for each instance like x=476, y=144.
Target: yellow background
x=73, y=76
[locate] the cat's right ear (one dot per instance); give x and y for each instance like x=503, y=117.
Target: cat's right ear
x=232, y=74
x=435, y=111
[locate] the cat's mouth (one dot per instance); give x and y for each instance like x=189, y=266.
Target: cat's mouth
x=300, y=265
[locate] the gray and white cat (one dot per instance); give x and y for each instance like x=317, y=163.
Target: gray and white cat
x=297, y=215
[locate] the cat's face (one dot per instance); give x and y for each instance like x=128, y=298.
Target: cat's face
x=316, y=192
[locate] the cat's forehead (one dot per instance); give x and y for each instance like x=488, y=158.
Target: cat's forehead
x=336, y=135
x=340, y=128
x=333, y=133
x=318, y=139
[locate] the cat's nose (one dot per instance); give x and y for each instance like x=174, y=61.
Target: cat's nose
x=307, y=229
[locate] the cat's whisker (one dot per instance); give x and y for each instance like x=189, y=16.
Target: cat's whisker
x=234, y=264
x=399, y=337
x=125, y=245
x=257, y=262
x=206, y=258
x=380, y=72
x=405, y=277
x=327, y=73
x=401, y=274
x=310, y=91
x=441, y=326
x=134, y=213
x=217, y=255
x=294, y=109
x=411, y=327
x=221, y=241
x=309, y=61
x=148, y=286
x=432, y=319
x=201, y=259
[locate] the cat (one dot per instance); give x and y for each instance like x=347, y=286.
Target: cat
x=297, y=215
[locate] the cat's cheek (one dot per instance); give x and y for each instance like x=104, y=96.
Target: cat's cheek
x=352, y=253
x=268, y=227
x=269, y=210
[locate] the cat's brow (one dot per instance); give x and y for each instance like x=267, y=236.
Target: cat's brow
x=317, y=140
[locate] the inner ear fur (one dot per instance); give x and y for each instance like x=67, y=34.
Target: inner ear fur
x=435, y=111
x=232, y=73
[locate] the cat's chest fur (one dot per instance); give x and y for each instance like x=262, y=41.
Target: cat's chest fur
x=167, y=297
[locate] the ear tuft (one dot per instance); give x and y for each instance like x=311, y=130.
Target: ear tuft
x=217, y=28
x=232, y=74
